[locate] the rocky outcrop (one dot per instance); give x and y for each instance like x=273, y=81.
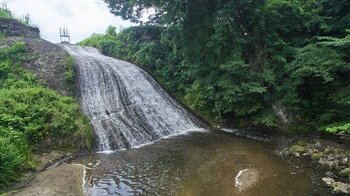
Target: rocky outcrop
x=47, y=62
x=11, y=27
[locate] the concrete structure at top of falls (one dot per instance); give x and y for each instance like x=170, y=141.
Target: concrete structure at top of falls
x=126, y=106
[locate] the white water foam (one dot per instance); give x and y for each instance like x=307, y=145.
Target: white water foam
x=125, y=105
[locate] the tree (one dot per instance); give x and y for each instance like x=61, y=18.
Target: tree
x=232, y=60
x=111, y=30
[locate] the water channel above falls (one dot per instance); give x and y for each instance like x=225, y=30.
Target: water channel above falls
x=207, y=163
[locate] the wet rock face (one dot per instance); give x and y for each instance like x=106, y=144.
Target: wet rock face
x=11, y=27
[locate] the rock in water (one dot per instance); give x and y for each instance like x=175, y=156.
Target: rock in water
x=246, y=178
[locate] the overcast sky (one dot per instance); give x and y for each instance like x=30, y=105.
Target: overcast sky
x=81, y=17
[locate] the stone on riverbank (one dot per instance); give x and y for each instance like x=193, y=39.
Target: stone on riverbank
x=345, y=172
x=317, y=155
x=302, y=143
x=297, y=149
x=338, y=187
x=334, y=157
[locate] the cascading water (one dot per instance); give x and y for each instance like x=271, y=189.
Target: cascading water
x=126, y=106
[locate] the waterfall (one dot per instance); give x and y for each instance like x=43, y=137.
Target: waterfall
x=125, y=105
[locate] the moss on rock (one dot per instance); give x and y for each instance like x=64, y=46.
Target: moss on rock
x=297, y=149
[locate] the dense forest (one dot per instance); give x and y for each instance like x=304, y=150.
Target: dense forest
x=240, y=61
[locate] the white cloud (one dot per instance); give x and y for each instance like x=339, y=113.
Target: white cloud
x=81, y=17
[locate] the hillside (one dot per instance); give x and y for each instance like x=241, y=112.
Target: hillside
x=50, y=61
x=37, y=111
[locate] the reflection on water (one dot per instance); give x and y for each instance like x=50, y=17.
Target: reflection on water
x=197, y=164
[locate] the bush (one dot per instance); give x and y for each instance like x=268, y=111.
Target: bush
x=47, y=119
x=11, y=162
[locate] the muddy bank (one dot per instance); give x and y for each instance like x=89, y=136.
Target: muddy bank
x=65, y=179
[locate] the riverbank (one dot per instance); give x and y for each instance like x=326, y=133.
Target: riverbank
x=66, y=179
x=332, y=155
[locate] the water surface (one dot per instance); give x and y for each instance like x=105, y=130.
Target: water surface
x=198, y=164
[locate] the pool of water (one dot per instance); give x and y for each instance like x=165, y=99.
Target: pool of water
x=198, y=164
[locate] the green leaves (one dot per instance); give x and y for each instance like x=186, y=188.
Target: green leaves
x=345, y=128
x=11, y=162
x=40, y=113
x=69, y=73
x=316, y=61
x=232, y=60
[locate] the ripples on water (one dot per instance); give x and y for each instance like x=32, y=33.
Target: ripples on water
x=197, y=164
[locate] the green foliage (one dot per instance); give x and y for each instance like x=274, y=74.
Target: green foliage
x=111, y=30
x=44, y=117
x=320, y=84
x=69, y=73
x=33, y=117
x=12, y=161
x=232, y=60
x=11, y=74
x=5, y=12
x=345, y=128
